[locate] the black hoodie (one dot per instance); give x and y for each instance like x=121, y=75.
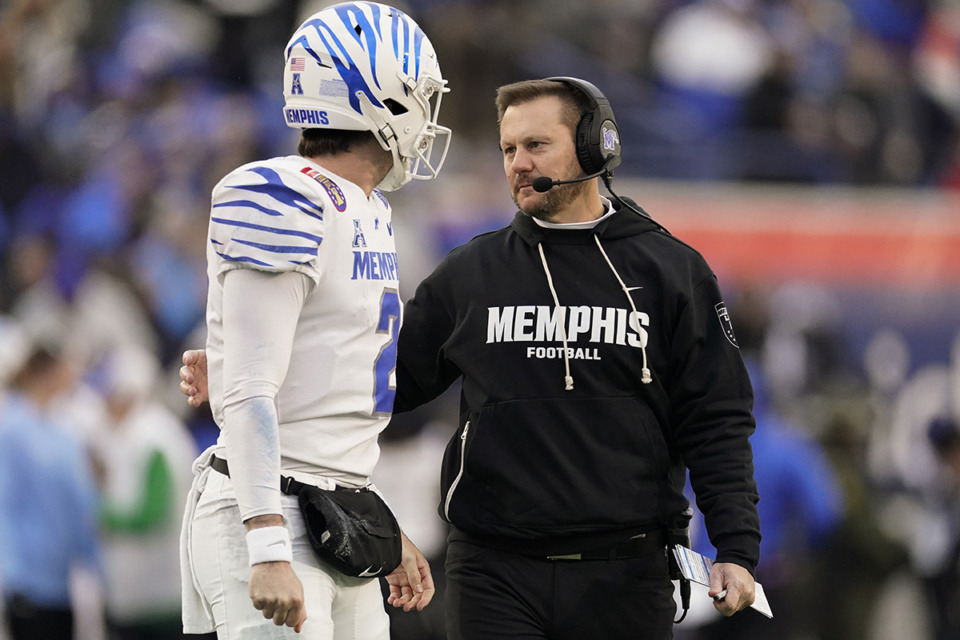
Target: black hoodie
x=537, y=467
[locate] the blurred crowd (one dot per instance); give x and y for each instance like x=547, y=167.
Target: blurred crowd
x=858, y=467
x=806, y=91
x=117, y=117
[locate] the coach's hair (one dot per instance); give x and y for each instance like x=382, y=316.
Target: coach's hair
x=576, y=104
x=330, y=142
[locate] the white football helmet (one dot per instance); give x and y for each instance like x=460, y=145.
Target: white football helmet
x=364, y=66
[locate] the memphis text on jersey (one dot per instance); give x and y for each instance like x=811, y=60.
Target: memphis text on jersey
x=544, y=324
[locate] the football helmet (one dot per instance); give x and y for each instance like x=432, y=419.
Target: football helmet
x=365, y=66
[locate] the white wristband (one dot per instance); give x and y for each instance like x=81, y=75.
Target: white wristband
x=269, y=544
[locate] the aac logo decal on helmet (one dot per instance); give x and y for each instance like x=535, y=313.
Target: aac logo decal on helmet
x=363, y=66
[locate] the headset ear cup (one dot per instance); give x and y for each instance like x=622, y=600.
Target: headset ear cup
x=585, y=148
x=597, y=135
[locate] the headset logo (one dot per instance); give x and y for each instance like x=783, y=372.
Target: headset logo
x=610, y=139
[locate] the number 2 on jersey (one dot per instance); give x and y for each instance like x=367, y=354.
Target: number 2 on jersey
x=384, y=392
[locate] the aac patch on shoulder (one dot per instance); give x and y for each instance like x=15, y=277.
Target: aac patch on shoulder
x=724, y=316
x=333, y=190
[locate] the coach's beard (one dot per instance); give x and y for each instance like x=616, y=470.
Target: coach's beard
x=554, y=201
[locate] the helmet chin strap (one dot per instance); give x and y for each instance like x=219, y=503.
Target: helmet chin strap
x=398, y=175
x=385, y=132
x=387, y=137
x=404, y=170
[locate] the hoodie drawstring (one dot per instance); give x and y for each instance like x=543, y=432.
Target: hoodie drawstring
x=567, y=379
x=645, y=376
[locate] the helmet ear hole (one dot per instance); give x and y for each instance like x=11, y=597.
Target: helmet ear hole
x=395, y=107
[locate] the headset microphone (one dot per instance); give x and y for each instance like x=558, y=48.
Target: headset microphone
x=544, y=183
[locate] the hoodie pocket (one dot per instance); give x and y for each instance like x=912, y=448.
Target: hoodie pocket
x=574, y=463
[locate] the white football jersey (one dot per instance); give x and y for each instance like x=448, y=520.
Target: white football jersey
x=290, y=214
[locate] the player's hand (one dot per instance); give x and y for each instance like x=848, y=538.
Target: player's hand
x=276, y=591
x=411, y=584
x=193, y=377
x=737, y=582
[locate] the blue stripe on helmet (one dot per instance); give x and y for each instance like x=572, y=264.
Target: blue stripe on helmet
x=367, y=32
x=302, y=41
x=418, y=37
x=348, y=70
x=376, y=19
x=393, y=34
x=400, y=23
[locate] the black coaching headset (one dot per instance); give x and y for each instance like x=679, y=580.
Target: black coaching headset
x=597, y=141
x=597, y=135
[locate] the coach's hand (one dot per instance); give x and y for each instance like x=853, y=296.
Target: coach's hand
x=411, y=584
x=737, y=582
x=277, y=592
x=193, y=377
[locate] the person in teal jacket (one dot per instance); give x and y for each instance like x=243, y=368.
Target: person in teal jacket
x=48, y=503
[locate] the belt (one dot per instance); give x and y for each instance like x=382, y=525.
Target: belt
x=220, y=465
x=639, y=545
x=287, y=484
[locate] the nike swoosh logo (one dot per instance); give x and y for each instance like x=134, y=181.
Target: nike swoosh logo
x=366, y=573
x=633, y=288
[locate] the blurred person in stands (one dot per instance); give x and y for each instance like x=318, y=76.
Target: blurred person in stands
x=706, y=55
x=145, y=456
x=303, y=312
x=944, y=583
x=48, y=502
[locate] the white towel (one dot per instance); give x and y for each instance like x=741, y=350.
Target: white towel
x=197, y=614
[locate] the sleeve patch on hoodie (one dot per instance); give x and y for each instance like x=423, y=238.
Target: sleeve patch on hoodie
x=724, y=316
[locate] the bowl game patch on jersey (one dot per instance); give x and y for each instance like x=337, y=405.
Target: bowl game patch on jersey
x=336, y=195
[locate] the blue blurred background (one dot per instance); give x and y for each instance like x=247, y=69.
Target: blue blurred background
x=810, y=149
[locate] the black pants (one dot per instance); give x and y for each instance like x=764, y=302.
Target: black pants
x=495, y=595
x=27, y=621
x=158, y=630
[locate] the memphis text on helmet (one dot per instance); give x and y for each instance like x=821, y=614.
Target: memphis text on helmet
x=306, y=116
x=541, y=323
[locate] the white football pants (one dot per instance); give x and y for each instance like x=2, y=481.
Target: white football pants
x=338, y=607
